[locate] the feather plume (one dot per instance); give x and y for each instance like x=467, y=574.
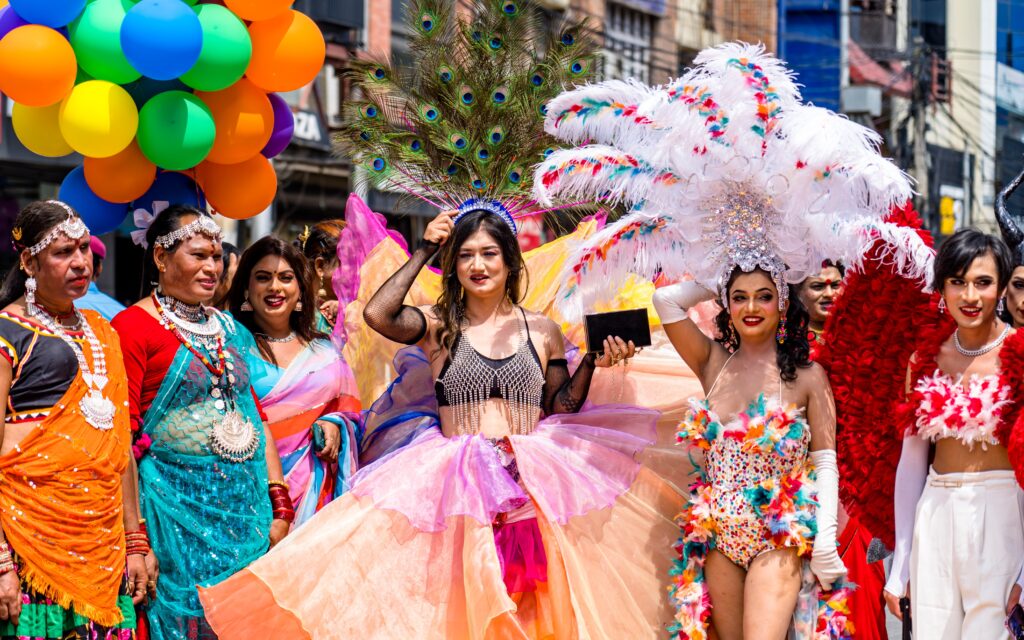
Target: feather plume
x=466, y=120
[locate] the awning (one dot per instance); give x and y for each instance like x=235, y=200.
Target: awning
x=893, y=77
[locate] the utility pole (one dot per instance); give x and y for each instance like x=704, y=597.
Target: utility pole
x=918, y=102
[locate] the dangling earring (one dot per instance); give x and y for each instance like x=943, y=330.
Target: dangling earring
x=780, y=335
x=245, y=304
x=30, y=291
x=942, y=305
x=1001, y=307
x=298, y=306
x=321, y=293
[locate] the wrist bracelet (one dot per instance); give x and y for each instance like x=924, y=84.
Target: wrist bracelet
x=278, y=483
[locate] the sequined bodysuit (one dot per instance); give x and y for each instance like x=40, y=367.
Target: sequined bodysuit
x=757, y=494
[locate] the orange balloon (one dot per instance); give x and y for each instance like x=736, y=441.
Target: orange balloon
x=120, y=178
x=37, y=66
x=253, y=10
x=287, y=52
x=240, y=190
x=244, y=119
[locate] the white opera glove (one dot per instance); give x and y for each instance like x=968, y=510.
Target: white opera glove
x=911, y=474
x=825, y=561
x=673, y=301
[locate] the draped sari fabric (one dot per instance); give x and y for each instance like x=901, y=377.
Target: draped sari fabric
x=60, y=497
x=207, y=517
x=317, y=385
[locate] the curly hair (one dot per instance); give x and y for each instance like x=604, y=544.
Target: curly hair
x=793, y=354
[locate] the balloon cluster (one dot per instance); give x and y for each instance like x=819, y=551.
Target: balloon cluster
x=143, y=88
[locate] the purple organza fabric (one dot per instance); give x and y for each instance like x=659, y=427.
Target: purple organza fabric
x=570, y=465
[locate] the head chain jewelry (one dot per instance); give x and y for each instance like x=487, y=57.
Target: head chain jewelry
x=202, y=225
x=491, y=206
x=73, y=227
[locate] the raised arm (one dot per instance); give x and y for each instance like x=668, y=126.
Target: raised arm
x=386, y=312
x=672, y=304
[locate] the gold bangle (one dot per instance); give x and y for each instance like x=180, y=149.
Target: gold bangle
x=278, y=483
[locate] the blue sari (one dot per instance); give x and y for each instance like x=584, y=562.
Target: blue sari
x=208, y=517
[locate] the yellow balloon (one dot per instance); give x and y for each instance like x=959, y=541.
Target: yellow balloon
x=3, y=3
x=38, y=128
x=99, y=119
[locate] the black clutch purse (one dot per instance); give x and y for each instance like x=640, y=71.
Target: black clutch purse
x=629, y=325
x=319, y=440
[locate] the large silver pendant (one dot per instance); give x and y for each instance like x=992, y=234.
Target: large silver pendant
x=234, y=438
x=97, y=410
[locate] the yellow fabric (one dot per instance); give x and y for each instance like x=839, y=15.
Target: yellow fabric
x=60, y=496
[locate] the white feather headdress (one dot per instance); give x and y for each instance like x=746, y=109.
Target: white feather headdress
x=723, y=168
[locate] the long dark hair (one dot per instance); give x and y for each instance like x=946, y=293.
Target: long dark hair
x=450, y=307
x=31, y=226
x=303, y=322
x=792, y=354
x=166, y=221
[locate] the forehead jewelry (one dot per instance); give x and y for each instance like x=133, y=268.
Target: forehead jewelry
x=202, y=225
x=72, y=227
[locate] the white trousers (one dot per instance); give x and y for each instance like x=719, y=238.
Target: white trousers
x=967, y=551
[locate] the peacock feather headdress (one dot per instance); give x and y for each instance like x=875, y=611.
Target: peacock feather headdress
x=462, y=127
x=723, y=168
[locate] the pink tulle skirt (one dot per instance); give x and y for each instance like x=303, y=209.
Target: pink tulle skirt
x=421, y=548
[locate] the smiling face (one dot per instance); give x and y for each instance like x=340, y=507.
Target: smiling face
x=191, y=271
x=273, y=291
x=1015, y=297
x=62, y=271
x=480, y=266
x=754, y=306
x=819, y=292
x=972, y=297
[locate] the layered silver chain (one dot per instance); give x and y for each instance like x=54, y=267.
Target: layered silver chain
x=983, y=349
x=468, y=381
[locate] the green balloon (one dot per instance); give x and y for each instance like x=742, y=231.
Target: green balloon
x=176, y=130
x=96, y=38
x=226, y=51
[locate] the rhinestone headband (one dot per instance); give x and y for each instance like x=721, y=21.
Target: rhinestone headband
x=491, y=206
x=202, y=225
x=72, y=227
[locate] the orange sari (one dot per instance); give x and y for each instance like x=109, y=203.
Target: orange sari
x=60, y=496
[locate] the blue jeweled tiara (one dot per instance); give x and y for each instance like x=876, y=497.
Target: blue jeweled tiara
x=492, y=206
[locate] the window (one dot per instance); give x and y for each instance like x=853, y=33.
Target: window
x=627, y=43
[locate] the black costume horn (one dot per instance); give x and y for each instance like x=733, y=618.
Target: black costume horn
x=1012, y=233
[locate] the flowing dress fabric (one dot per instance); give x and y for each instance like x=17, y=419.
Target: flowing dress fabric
x=413, y=549
x=317, y=385
x=207, y=517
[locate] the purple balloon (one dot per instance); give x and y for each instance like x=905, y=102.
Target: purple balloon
x=284, y=127
x=9, y=21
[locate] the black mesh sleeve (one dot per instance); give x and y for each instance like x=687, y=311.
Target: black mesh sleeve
x=386, y=312
x=564, y=393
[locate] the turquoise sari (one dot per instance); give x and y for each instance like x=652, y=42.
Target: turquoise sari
x=208, y=517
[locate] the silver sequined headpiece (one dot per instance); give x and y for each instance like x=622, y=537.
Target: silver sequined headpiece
x=72, y=227
x=202, y=225
x=492, y=206
x=740, y=237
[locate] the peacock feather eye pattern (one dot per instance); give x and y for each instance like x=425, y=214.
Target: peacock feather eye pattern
x=483, y=155
x=378, y=164
x=495, y=43
x=568, y=39
x=500, y=95
x=369, y=111
x=466, y=96
x=415, y=146
x=537, y=79
x=427, y=22
x=378, y=74
x=429, y=113
x=542, y=109
x=548, y=152
x=480, y=184
x=579, y=67
x=510, y=8
x=445, y=74
x=458, y=142
x=515, y=175
x=496, y=135
x=452, y=170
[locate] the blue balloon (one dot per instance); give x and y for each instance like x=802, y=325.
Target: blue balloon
x=98, y=214
x=162, y=39
x=52, y=13
x=171, y=188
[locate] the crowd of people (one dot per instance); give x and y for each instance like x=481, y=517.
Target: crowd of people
x=204, y=464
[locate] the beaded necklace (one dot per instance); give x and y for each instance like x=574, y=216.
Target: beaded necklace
x=234, y=438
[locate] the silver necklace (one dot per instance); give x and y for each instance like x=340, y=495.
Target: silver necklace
x=983, y=349
x=206, y=333
x=96, y=408
x=287, y=338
